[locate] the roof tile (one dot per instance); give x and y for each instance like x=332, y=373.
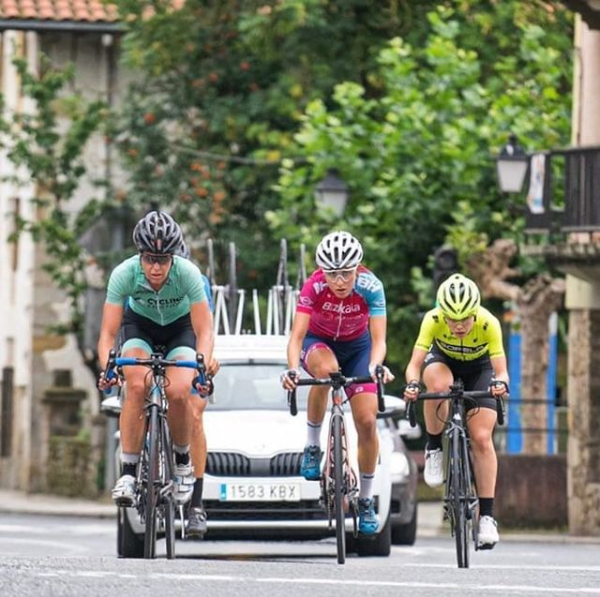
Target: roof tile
x=86, y=11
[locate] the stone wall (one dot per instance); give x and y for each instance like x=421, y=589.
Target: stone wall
x=531, y=491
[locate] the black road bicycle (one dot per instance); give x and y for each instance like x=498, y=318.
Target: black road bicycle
x=155, y=502
x=461, y=504
x=339, y=482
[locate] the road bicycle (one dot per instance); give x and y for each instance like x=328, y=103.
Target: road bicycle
x=155, y=502
x=461, y=504
x=339, y=482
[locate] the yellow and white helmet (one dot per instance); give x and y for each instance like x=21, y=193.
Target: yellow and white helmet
x=458, y=297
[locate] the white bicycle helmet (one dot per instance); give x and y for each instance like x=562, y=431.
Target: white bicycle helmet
x=458, y=297
x=157, y=232
x=339, y=250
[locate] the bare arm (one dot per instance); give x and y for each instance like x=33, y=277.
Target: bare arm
x=413, y=372
x=202, y=323
x=112, y=315
x=378, y=328
x=294, y=347
x=500, y=374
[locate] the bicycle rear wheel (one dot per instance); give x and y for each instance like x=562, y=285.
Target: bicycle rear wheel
x=338, y=476
x=152, y=481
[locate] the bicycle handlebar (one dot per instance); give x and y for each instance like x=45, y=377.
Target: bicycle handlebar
x=456, y=392
x=157, y=360
x=337, y=381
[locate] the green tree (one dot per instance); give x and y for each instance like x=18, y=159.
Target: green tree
x=51, y=156
x=415, y=156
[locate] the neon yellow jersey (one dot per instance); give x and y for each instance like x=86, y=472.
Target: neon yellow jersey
x=484, y=338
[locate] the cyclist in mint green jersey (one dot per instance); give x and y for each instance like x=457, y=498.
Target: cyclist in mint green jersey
x=165, y=305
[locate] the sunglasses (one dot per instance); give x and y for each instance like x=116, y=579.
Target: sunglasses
x=344, y=274
x=159, y=259
x=463, y=321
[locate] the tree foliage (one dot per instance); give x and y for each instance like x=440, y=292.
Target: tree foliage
x=418, y=157
x=51, y=156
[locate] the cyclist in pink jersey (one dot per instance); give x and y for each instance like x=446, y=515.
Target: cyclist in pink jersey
x=340, y=323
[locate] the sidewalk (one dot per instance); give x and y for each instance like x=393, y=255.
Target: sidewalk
x=19, y=502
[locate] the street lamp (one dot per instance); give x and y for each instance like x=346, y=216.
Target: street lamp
x=332, y=192
x=512, y=165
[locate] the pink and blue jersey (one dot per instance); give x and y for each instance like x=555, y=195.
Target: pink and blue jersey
x=341, y=319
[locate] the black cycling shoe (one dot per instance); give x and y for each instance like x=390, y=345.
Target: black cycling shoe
x=196, y=525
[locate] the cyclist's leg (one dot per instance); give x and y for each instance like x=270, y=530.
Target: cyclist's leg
x=180, y=345
x=437, y=377
x=354, y=357
x=481, y=421
x=198, y=450
x=318, y=360
x=131, y=423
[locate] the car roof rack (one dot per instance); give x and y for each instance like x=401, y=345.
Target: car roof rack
x=230, y=301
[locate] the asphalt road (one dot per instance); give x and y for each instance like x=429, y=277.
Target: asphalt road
x=50, y=556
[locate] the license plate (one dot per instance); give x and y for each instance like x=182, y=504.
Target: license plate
x=260, y=492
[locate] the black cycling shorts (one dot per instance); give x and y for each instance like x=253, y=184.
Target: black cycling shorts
x=162, y=338
x=476, y=375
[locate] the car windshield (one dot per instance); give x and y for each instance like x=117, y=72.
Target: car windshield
x=252, y=386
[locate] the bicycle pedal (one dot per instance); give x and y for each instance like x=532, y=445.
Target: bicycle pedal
x=485, y=546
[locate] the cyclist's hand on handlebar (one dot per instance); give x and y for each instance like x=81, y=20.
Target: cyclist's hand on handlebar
x=412, y=390
x=498, y=388
x=288, y=379
x=107, y=379
x=387, y=375
x=213, y=367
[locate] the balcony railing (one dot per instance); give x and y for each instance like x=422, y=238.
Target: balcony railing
x=571, y=197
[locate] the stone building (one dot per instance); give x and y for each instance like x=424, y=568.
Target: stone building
x=44, y=383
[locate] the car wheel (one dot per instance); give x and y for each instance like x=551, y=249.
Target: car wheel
x=376, y=545
x=405, y=534
x=129, y=543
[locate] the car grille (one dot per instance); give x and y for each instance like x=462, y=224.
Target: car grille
x=233, y=464
x=303, y=510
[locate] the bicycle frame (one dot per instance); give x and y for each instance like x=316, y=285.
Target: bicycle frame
x=339, y=482
x=154, y=480
x=460, y=493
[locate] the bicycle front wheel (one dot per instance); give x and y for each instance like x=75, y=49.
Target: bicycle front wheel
x=339, y=493
x=152, y=483
x=459, y=502
x=168, y=503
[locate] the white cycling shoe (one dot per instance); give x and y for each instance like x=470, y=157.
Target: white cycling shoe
x=433, y=474
x=487, y=535
x=183, y=476
x=123, y=493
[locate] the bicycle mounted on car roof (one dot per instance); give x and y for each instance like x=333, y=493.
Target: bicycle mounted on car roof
x=154, y=503
x=339, y=482
x=460, y=491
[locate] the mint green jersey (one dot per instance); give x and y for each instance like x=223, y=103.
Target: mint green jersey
x=128, y=285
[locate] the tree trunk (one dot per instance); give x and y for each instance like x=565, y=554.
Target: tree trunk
x=534, y=303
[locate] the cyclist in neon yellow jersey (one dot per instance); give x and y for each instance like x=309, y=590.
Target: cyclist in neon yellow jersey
x=461, y=339
x=166, y=305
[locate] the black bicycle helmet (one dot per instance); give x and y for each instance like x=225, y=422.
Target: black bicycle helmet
x=157, y=232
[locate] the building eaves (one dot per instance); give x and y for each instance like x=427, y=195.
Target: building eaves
x=59, y=15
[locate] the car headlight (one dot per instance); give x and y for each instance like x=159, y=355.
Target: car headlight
x=399, y=467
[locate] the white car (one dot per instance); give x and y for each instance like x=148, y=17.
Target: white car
x=252, y=484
